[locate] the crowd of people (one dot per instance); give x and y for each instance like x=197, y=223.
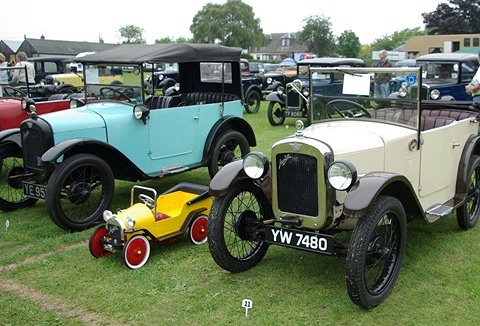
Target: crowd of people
x=17, y=76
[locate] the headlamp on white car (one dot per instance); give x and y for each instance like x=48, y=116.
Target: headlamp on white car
x=255, y=165
x=342, y=175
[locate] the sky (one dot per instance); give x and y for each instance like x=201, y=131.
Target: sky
x=90, y=20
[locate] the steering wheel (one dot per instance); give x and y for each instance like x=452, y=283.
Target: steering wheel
x=147, y=200
x=13, y=91
x=346, y=109
x=114, y=93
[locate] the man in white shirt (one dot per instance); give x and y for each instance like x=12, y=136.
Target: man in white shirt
x=474, y=87
x=19, y=76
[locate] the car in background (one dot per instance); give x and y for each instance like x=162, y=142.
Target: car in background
x=50, y=65
x=445, y=75
x=251, y=83
x=71, y=158
x=347, y=185
x=287, y=102
x=280, y=76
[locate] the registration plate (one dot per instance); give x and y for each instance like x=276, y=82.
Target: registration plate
x=34, y=190
x=299, y=239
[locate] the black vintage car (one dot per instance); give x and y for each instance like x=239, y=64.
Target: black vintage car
x=286, y=102
x=251, y=83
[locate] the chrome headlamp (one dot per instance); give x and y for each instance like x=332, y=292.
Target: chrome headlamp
x=435, y=94
x=342, y=175
x=255, y=165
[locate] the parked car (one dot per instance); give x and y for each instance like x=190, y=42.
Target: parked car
x=71, y=158
x=347, y=185
x=281, y=76
x=287, y=102
x=45, y=66
x=252, y=90
x=182, y=209
x=13, y=109
x=164, y=78
x=445, y=75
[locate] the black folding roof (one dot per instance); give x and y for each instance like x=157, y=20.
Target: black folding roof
x=164, y=53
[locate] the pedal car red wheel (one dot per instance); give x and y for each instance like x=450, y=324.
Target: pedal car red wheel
x=96, y=247
x=136, y=252
x=198, y=229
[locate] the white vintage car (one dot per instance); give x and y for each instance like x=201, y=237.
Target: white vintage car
x=366, y=166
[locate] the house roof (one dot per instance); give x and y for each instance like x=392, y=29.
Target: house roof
x=54, y=47
x=273, y=44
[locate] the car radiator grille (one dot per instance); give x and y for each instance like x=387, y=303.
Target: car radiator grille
x=297, y=183
x=32, y=147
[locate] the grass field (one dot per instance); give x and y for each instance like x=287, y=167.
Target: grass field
x=48, y=276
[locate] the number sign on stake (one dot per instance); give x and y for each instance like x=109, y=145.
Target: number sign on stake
x=7, y=224
x=247, y=304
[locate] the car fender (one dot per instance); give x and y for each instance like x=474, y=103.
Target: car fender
x=472, y=147
x=363, y=194
x=253, y=88
x=11, y=135
x=275, y=97
x=274, y=85
x=229, y=123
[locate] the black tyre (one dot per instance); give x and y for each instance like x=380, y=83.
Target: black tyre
x=229, y=146
x=11, y=191
x=276, y=114
x=469, y=212
x=78, y=192
x=252, y=102
x=233, y=226
x=376, y=252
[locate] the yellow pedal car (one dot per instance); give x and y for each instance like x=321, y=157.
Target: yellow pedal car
x=163, y=218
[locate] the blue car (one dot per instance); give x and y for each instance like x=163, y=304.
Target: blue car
x=71, y=158
x=445, y=75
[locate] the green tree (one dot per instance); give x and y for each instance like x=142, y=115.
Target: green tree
x=230, y=24
x=131, y=34
x=348, y=44
x=393, y=41
x=317, y=34
x=461, y=17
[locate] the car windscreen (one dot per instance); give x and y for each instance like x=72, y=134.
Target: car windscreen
x=354, y=95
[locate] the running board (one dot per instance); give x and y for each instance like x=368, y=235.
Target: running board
x=175, y=169
x=437, y=211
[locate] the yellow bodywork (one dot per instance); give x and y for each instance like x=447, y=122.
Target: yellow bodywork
x=172, y=216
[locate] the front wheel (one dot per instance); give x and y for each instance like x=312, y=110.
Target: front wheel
x=276, y=114
x=252, y=103
x=11, y=168
x=375, y=252
x=469, y=212
x=136, y=252
x=228, y=147
x=95, y=243
x=234, y=231
x=78, y=192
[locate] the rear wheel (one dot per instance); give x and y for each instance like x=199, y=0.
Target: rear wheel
x=233, y=230
x=376, y=252
x=276, y=114
x=11, y=167
x=136, y=252
x=94, y=244
x=198, y=229
x=228, y=147
x=78, y=192
x=469, y=212
x=252, y=102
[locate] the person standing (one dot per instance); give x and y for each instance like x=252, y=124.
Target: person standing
x=382, y=80
x=473, y=88
x=19, y=76
x=3, y=73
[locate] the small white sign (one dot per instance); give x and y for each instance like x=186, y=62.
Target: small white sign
x=247, y=304
x=7, y=224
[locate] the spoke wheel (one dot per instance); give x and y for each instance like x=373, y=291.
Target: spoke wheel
x=234, y=229
x=136, y=252
x=11, y=191
x=94, y=244
x=229, y=146
x=276, y=114
x=78, y=192
x=469, y=212
x=376, y=252
x=198, y=230
x=252, y=103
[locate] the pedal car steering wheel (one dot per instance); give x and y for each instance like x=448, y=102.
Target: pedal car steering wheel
x=147, y=200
